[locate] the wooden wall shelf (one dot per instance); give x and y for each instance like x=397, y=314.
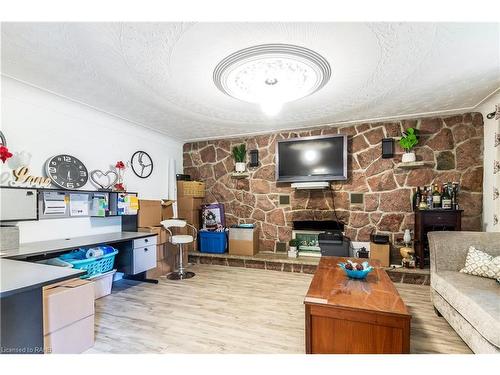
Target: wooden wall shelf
x=414, y=165
x=241, y=175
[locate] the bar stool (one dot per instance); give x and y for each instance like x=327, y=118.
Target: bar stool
x=179, y=239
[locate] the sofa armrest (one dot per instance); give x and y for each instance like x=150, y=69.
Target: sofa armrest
x=448, y=250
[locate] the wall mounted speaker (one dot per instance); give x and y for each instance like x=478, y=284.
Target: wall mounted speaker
x=387, y=148
x=284, y=200
x=357, y=198
x=254, y=158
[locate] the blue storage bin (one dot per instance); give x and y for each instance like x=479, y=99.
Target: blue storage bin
x=213, y=242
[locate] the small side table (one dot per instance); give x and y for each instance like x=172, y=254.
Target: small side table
x=433, y=220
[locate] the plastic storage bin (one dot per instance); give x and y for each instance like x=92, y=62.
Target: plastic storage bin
x=93, y=266
x=102, y=283
x=213, y=242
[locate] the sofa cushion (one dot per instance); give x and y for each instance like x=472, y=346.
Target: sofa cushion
x=479, y=263
x=477, y=299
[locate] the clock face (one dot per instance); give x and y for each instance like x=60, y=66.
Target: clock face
x=142, y=164
x=66, y=171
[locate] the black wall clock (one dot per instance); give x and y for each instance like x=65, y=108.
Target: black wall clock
x=66, y=171
x=142, y=164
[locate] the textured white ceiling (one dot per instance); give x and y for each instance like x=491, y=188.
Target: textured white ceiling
x=160, y=74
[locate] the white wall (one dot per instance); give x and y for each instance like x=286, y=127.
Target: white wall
x=45, y=124
x=491, y=153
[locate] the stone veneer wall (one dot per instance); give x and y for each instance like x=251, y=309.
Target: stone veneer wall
x=453, y=145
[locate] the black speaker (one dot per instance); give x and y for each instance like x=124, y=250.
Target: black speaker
x=254, y=158
x=387, y=148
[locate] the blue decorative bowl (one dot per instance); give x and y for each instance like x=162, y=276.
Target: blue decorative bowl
x=355, y=274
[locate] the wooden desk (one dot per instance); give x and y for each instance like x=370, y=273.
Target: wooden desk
x=354, y=316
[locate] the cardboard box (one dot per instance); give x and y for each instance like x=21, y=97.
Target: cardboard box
x=161, y=233
x=167, y=209
x=381, y=253
x=189, y=203
x=67, y=303
x=243, y=241
x=188, y=208
x=190, y=189
x=192, y=217
x=150, y=212
x=73, y=339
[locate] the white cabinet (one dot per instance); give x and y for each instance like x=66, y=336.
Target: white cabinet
x=144, y=258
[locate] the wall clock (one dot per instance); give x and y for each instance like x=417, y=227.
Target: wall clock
x=66, y=171
x=142, y=164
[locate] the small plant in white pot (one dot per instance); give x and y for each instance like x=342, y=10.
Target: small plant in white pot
x=239, y=154
x=292, y=248
x=407, y=142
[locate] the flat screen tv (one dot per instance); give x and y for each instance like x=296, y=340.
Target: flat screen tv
x=318, y=158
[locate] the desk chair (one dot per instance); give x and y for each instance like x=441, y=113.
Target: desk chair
x=179, y=239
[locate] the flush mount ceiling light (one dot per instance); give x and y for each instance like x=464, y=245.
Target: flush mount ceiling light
x=272, y=75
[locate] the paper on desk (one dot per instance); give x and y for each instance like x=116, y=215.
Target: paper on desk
x=99, y=204
x=54, y=203
x=79, y=205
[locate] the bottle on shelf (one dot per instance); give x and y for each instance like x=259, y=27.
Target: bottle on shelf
x=454, y=193
x=417, y=196
x=429, y=197
x=436, y=197
x=446, y=198
x=423, y=199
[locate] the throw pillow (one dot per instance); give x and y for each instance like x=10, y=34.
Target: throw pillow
x=479, y=263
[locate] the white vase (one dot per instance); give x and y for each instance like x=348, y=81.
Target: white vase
x=408, y=157
x=407, y=237
x=240, y=167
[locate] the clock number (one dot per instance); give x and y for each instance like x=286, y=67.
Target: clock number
x=53, y=163
x=70, y=185
x=67, y=158
x=52, y=170
x=83, y=173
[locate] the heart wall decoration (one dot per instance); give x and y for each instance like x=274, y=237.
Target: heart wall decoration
x=103, y=180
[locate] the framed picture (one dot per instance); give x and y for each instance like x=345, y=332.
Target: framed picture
x=212, y=216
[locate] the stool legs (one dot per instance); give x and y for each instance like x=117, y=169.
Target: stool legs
x=181, y=273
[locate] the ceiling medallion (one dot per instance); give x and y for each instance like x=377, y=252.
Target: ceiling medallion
x=272, y=75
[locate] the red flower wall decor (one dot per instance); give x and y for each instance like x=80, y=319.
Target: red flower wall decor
x=120, y=165
x=4, y=154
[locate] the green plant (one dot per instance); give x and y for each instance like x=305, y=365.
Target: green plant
x=293, y=242
x=239, y=153
x=409, y=139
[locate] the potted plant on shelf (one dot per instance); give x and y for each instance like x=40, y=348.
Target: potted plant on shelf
x=292, y=248
x=407, y=142
x=239, y=154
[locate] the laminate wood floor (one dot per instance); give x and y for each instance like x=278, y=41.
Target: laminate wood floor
x=235, y=310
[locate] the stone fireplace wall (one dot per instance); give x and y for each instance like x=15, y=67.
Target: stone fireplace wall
x=452, y=145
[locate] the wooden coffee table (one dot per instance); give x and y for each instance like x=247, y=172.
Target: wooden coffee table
x=354, y=316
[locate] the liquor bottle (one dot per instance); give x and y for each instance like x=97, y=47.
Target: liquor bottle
x=454, y=192
x=423, y=199
x=445, y=198
x=417, y=197
x=429, y=197
x=436, y=197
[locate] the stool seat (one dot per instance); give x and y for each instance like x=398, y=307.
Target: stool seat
x=181, y=238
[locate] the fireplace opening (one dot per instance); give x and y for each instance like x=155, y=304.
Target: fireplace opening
x=306, y=233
